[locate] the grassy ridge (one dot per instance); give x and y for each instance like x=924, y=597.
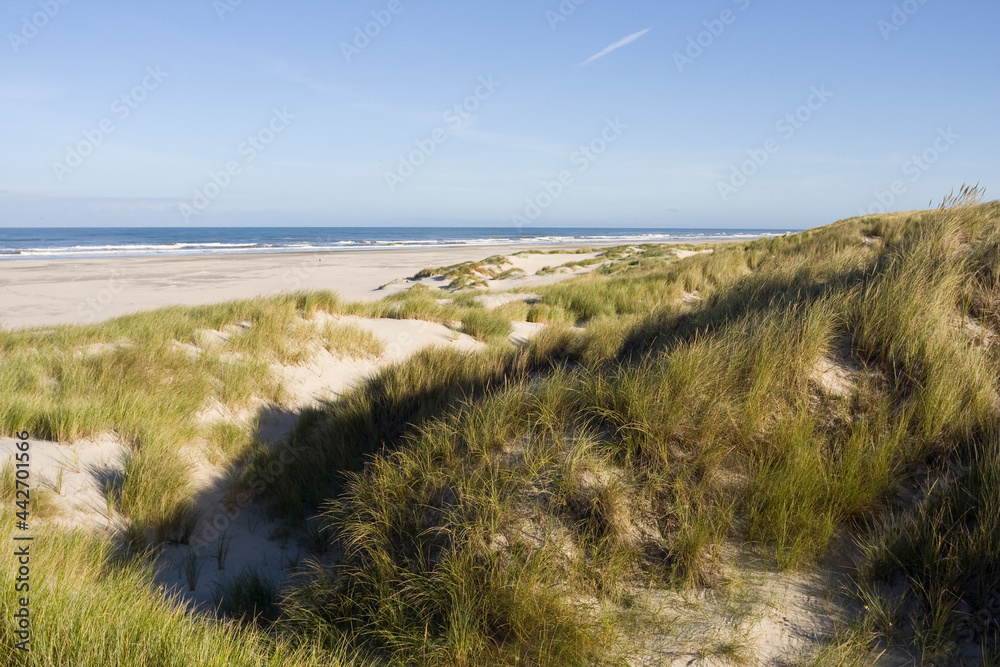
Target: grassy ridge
x=635, y=453
x=146, y=377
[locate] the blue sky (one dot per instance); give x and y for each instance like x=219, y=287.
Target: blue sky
x=267, y=113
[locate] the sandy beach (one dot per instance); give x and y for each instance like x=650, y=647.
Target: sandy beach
x=50, y=292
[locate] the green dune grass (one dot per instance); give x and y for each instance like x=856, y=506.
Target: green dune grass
x=146, y=376
x=824, y=395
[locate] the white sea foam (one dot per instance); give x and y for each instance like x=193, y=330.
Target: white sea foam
x=212, y=247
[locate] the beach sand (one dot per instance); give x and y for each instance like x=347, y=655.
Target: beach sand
x=40, y=293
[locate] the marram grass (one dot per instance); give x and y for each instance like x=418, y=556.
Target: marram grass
x=792, y=398
x=638, y=454
x=90, y=608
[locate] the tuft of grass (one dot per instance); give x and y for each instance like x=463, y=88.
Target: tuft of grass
x=515, y=311
x=418, y=302
x=192, y=566
x=250, y=596
x=487, y=325
x=351, y=341
x=40, y=502
x=222, y=549
x=230, y=441
x=179, y=525
x=547, y=314
x=510, y=274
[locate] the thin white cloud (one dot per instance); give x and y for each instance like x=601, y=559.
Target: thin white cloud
x=291, y=72
x=28, y=92
x=514, y=141
x=617, y=45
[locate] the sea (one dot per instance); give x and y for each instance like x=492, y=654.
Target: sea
x=79, y=242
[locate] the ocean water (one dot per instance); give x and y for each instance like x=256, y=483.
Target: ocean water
x=25, y=243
